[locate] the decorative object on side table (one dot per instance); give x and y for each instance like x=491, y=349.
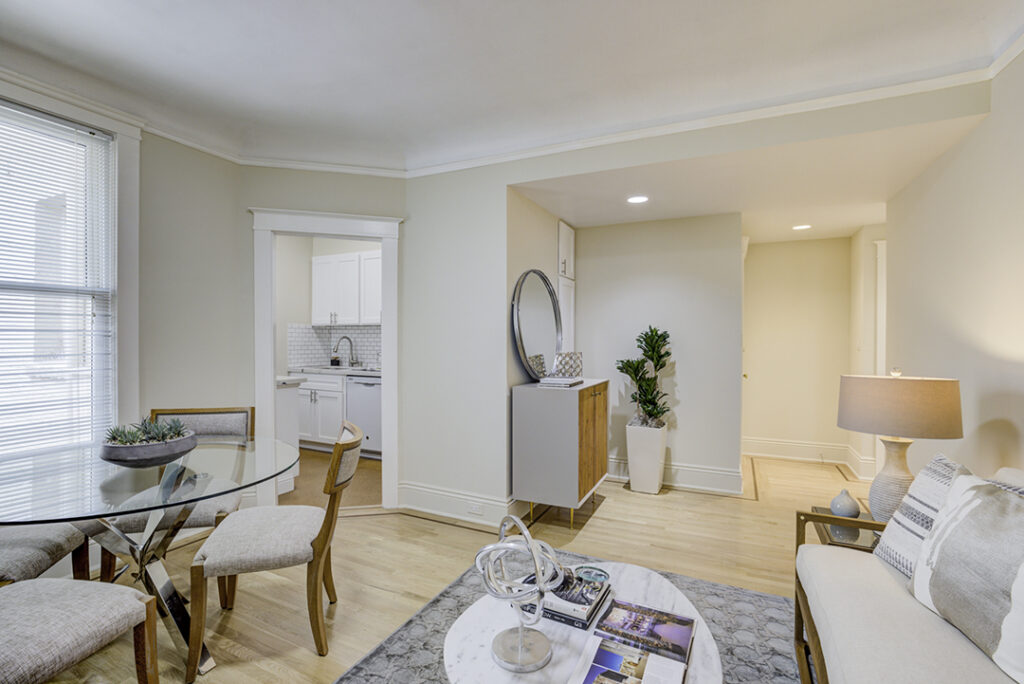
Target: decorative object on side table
x=568, y=365
x=912, y=408
x=845, y=505
x=520, y=649
x=850, y=537
x=647, y=433
x=536, y=362
x=147, y=443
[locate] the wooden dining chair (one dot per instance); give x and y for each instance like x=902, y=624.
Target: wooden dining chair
x=206, y=423
x=274, y=537
x=27, y=551
x=51, y=624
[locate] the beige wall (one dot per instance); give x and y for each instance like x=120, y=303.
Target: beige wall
x=532, y=243
x=292, y=291
x=683, y=276
x=796, y=340
x=863, y=333
x=195, y=289
x=956, y=242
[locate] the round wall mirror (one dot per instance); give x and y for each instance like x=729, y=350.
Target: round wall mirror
x=536, y=323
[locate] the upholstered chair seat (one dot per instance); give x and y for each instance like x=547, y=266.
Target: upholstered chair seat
x=261, y=538
x=27, y=551
x=51, y=624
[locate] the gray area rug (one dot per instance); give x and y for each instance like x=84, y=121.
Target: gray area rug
x=754, y=632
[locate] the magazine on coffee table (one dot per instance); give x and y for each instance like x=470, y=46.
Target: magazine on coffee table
x=648, y=629
x=609, y=662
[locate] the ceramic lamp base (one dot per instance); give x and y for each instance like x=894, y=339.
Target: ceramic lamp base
x=892, y=483
x=521, y=649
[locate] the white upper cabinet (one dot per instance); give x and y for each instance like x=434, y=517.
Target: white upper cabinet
x=370, y=287
x=566, y=250
x=567, y=307
x=346, y=289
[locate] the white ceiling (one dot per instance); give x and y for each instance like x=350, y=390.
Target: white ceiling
x=837, y=184
x=408, y=84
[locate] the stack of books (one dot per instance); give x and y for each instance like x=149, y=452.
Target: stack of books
x=560, y=382
x=576, y=602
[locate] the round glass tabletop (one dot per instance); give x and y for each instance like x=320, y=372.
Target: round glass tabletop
x=75, y=484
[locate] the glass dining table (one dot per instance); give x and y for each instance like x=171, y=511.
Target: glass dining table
x=75, y=486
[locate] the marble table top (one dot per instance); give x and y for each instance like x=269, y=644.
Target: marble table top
x=467, y=646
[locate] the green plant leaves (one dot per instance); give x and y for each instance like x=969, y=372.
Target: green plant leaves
x=146, y=431
x=650, y=400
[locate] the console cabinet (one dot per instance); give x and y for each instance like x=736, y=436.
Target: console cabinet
x=559, y=442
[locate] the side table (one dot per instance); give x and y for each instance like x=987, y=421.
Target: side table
x=851, y=538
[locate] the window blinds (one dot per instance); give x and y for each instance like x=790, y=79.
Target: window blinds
x=57, y=278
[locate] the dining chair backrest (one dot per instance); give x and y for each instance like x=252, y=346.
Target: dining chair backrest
x=236, y=421
x=344, y=461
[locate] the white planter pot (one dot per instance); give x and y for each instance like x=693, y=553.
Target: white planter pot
x=645, y=452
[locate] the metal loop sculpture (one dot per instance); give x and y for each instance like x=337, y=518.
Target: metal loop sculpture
x=520, y=649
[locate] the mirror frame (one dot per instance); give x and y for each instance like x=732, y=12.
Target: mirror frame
x=517, y=330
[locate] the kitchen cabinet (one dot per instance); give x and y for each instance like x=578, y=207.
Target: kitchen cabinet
x=321, y=407
x=335, y=290
x=369, y=288
x=566, y=250
x=346, y=289
x=559, y=442
x=567, y=307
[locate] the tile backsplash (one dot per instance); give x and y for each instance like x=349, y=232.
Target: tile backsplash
x=311, y=346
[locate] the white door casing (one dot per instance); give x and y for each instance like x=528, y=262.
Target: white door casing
x=266, y=222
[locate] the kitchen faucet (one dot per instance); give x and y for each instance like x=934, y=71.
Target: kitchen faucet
x=352, y=360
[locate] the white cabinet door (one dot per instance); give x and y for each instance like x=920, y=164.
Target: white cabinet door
x=346, y=311
x=370, y=293
x=567, y=307
x=566, y=250
x=324, y=285
x=305, y=410
x=329, y=412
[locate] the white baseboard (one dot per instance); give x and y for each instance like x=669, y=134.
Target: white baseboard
x=711, y=479
x=816, y=452
x=452, y=503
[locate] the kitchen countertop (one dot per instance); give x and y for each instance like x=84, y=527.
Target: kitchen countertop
x=337, y=370
x=284, y=381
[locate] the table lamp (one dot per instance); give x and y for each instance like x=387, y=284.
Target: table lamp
x=902, y=409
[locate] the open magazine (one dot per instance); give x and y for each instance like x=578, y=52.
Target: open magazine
x=636, y=645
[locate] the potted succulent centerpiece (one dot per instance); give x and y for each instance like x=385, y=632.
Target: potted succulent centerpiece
x=147, y=443
x=647, y=433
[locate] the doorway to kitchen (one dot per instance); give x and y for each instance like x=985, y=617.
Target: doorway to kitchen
x=326, y=347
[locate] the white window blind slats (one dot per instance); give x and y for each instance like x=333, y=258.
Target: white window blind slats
x=57, y=283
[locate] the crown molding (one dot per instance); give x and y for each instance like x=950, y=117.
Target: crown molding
x=120, y=120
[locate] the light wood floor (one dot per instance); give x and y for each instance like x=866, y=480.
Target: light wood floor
x=364, y=491
x=387, y=566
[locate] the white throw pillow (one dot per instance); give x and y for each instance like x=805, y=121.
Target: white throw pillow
x=971, y=568
x=1011, y=476
x=900, y=544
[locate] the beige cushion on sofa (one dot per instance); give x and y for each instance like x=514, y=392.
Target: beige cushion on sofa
x=873, y=630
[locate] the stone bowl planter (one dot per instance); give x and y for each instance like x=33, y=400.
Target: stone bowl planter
x=148, y=455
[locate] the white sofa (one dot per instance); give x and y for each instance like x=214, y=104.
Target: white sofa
x=864, y=626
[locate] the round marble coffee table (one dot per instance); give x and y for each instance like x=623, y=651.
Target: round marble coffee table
x=467, y=646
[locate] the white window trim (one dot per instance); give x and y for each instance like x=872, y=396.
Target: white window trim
x=127, y=136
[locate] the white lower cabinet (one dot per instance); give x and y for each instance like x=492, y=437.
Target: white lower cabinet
x=321, y=407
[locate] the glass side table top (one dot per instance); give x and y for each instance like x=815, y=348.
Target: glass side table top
x=849, y=537
x=75, y=484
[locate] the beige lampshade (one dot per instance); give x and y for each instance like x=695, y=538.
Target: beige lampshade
x=915, y=408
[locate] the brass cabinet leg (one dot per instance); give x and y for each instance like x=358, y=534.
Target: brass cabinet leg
x=572, y=515
x=531, y=511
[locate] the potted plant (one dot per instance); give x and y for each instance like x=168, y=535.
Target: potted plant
x=147, y=443
x=647, y=433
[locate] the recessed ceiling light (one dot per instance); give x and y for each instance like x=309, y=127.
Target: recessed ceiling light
x=803, y=227
x=637, y=199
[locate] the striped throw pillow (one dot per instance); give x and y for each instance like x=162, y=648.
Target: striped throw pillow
x=900, y=544
x=971, y=569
